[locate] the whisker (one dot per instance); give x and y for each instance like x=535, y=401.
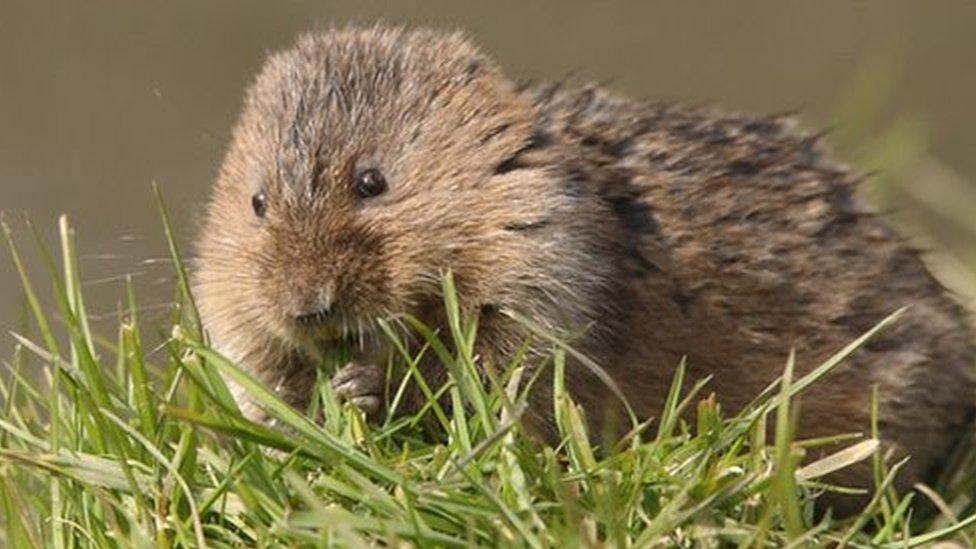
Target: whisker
x=109, y=279
x=98, y=317
x=161, y=280
x=156, y=261
x=159, y=347
x=110, y=257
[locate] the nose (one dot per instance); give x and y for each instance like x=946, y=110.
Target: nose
x=311, y=308
x=312, y=311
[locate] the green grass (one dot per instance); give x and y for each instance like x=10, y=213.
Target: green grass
x=104, y=442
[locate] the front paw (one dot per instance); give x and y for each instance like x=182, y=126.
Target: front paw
x=361, y=384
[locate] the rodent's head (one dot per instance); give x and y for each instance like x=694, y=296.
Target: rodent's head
x=366, y=163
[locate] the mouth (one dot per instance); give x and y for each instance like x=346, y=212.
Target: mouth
x=331, y=333
x=327, y=331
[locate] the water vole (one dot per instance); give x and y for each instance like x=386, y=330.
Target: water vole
x=369, y=161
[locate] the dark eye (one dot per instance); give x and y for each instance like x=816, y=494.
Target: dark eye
x=370, y=183
x=260, y=204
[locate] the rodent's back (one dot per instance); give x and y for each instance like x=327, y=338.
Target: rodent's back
x=764, y=246
x=751, y=210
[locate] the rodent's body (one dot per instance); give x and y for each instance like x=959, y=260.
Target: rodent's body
x=664, y=232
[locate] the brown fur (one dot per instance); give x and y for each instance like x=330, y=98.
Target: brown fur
x=667, y=231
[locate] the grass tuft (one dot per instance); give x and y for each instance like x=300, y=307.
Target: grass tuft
x=105, y=444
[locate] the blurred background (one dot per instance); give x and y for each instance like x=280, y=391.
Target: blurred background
x=99, y=99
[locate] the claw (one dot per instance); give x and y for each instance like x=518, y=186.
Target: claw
x=370, y=405
x=361, y=384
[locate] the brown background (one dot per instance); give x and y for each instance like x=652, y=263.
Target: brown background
x=98, y=99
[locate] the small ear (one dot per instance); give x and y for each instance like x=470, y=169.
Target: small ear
x=495, y=132
x=527, y=226
x=510, y=164
x=517, y=160
x=472, y=70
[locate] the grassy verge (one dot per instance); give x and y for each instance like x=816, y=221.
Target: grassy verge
x=104, y=442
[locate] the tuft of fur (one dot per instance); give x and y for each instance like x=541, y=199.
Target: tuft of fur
x=656, y=231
